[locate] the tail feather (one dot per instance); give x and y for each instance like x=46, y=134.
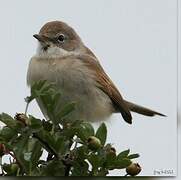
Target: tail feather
x=142, y=110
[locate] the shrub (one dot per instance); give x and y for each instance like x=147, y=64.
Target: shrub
x=58, y=146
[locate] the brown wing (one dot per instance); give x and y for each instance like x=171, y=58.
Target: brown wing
x=106, y=85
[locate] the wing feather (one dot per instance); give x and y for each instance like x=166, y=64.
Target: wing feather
x=107, y=86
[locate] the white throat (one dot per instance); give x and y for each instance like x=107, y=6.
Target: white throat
x=54, y=52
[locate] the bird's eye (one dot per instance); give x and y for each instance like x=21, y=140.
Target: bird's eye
x=61, y=38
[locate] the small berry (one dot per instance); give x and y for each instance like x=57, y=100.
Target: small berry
x=133, y=169
x=112, y=151
x=2, y=149
x=7, y=133
x=14, y=168
x=93, y=143
x=21, y=118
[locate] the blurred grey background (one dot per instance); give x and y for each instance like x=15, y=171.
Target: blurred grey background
x=136, y=43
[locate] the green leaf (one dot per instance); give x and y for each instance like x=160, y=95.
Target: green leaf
x=20, y=148
x=110, y=159
x=123, y=163
x=36, y=154
x=21, y=144
x=62, y=145
x=102, y=133
x=80, y=134
x=9, y=121
x=84, y=131
x=123, y=154
x=89, y=130
x=133, y=156
x=46, y=139
x=80, y=168
x=95, y=160
x=68, y=108
x=56, y=98
x=35, y=124
x=8, y=133
x=38, y=89
x=81, y=153
x=53, y=168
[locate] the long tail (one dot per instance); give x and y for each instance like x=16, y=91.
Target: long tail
x=142, y=110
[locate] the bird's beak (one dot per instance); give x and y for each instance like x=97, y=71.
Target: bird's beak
x=40, y=38
x=44, y=40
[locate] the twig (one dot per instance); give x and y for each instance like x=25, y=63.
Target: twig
x=49, y=149
x=17, y=161
x=67, y=170
x=26, y=109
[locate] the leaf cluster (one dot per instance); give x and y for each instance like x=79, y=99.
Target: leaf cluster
x=59, y=146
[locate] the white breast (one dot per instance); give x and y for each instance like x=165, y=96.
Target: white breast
x=54, y=52
x=76, y=83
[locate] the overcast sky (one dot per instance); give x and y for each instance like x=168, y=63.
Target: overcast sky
x=135, y=42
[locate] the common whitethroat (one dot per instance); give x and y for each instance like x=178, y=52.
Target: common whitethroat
x=62, y=58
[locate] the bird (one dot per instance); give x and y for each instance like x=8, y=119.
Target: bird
x=63, y=59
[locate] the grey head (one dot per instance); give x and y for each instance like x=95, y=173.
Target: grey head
x=58, y=38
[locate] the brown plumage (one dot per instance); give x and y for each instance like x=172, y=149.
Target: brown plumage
x=107, y=86
x=77, y=71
